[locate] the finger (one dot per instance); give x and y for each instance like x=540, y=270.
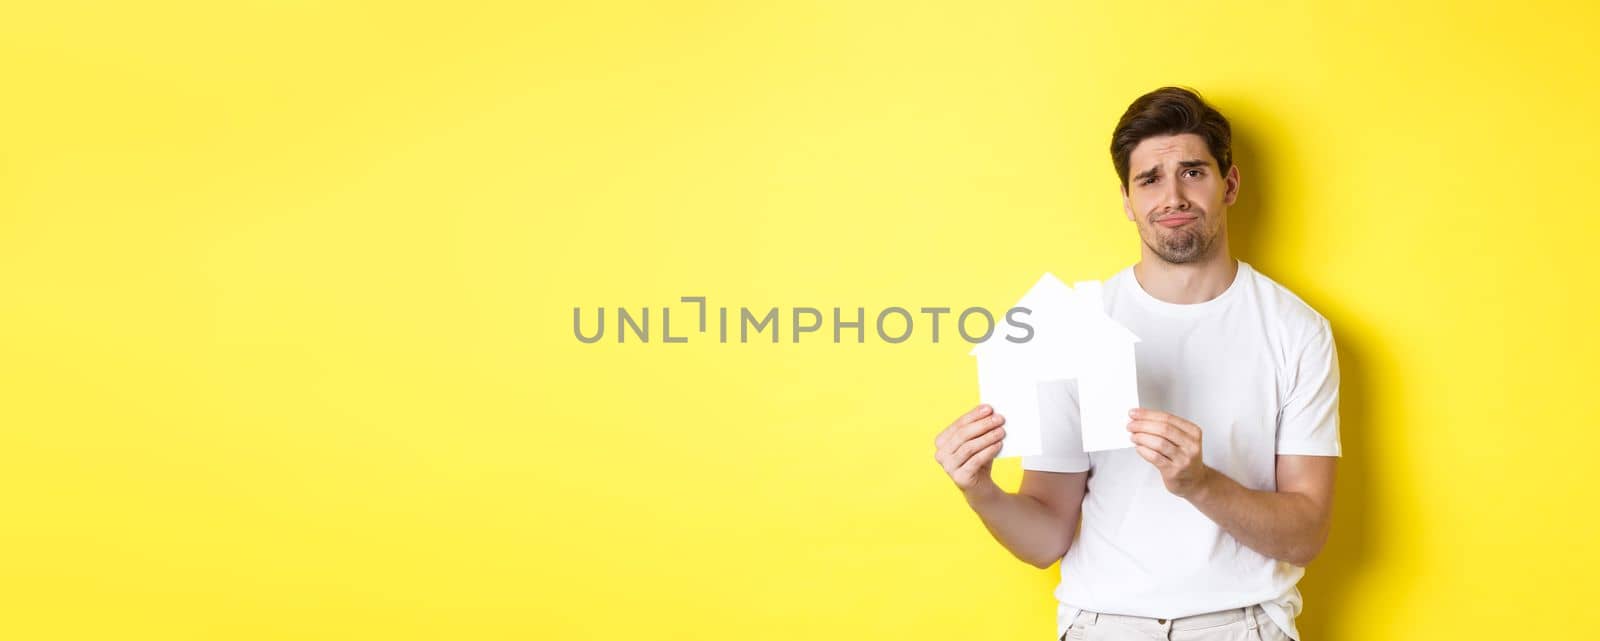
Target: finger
x=978, y=460
x=1165, y=447
x=982, y=410
x=1153, y=456
x=1169, y=441
x=954, y=460
x=1163, y=430
x=976, y=445
x=1177, y=422
x=1183, y=425
x=976, y=413
x=980, y=426
x=1182, y=439
x=950, y=438
x=1153, y=415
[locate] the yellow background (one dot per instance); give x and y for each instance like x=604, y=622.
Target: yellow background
x=286, y=294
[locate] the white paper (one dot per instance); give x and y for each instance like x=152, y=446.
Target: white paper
x=1029, y=383
x=1107, y=389
x=1014, y=395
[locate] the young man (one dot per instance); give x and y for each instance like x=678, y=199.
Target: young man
x=1202, y=528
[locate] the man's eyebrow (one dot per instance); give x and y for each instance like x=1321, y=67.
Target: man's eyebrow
x=1182, y=164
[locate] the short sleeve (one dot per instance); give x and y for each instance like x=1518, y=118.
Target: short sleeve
x=1059, y=431
x=1308, y=422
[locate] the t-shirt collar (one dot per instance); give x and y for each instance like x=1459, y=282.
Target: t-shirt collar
x=1137, y=292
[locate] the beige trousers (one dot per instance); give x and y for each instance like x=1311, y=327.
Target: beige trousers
x=1238, y=624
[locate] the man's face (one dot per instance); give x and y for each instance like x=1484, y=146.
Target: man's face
x=1178, y=197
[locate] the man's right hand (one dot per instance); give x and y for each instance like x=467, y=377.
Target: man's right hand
x=968, y=446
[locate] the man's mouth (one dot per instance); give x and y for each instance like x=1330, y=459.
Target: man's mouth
x=1176, y=220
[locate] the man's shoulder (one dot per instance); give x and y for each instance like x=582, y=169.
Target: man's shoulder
x=1284, y=305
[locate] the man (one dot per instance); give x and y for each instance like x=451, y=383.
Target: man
x=1202, y=528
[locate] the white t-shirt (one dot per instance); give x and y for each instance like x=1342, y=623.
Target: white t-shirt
x=1255, y=368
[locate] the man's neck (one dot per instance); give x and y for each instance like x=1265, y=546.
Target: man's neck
x=1187, y=283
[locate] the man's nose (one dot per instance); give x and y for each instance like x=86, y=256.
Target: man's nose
x=1174, y=199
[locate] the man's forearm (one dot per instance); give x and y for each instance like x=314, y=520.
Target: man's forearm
x=1024, y=525
x=1282, y=525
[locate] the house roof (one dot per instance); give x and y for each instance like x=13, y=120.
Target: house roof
x=1054, y=305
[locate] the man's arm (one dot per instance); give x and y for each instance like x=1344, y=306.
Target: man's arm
x=1036, y=524
x=1290, y=524
x=1039, y=522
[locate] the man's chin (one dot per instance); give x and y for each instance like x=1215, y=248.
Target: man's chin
x=1188, y=251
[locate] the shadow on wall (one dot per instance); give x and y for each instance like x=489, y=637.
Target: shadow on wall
x=1332, y=578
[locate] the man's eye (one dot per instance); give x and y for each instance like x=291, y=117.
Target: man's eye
x=1194, y=172
x=1147, y=181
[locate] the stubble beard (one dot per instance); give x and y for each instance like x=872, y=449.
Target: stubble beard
x=1182, y=245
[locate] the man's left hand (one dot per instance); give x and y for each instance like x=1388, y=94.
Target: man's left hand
x=1172, y=444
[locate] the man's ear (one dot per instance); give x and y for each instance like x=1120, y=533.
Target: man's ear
x=1126, y=206
x=1231, y=193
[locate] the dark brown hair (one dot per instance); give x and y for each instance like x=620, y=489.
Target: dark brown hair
x=1170, y=111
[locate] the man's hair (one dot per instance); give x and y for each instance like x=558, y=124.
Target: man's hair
x=1170, y=111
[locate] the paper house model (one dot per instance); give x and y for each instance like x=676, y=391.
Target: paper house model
x=1030, y=382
